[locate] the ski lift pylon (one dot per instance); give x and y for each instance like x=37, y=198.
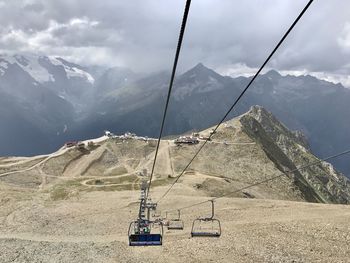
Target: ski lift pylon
x=143, y=231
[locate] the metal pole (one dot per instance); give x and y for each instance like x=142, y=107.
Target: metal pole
x=148, y=213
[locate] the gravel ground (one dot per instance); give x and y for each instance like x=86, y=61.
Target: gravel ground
x=93, y=229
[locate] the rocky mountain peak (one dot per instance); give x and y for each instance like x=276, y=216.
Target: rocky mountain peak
x=273, y=74
x=271, y=124
x=199, y=79
x=289, y=150
x=199, y=65
x=201, y=72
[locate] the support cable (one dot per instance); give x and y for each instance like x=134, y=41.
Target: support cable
x=264, y=181
x=177, y=54
x=239, y=97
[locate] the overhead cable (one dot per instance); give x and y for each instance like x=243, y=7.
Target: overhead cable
x=177, y=54
x=266, y=180
x=239, y=97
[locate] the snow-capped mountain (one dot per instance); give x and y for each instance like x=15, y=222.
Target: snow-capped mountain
x=68, y=80
x=38, y=67
x=54, y=100
x=32, y=115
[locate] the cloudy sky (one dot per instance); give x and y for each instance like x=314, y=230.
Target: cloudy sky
x=232, y=36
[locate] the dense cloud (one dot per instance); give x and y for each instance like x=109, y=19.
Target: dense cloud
x=231, y=36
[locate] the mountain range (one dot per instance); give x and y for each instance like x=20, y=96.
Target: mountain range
x=46, y=101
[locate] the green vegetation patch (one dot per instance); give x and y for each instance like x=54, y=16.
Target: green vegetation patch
x=64, y=190
x=111, y=181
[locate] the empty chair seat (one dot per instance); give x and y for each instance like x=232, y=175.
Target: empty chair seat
x=206, y=226
x=177, y=223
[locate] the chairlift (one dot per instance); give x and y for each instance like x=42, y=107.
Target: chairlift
x=145, y=233
x=165, y=220
x=206, y=226
x=156, y=214
x=176, y=223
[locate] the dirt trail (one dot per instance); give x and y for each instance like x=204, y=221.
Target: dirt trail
x=165, y=159
x=56, y=154
x=86, y=182
x=15, y=161
x=233, y=143
x=164, y=164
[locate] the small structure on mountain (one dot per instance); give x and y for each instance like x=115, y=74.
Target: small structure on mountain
x=71, y=144
x=195, y=134
x=109, y=134
x=186, y=140
x=80, y=145
x=128, y=135
x=204, y=138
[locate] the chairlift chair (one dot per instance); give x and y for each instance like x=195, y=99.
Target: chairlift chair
x=176, y=223
x=206, y=226
x=145, y=233
x=165, y=220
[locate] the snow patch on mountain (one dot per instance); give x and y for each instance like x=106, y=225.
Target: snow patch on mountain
x=31, y=64
x=3, y=66
x=72, y=71
x=75, y=72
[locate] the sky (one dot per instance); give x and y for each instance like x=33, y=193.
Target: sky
x=233, y=37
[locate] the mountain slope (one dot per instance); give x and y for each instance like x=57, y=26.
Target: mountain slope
x=79, y=102
x=249, y=149
x=32, y=116
x=67, y=80
x=201, y=97
x=289, y=151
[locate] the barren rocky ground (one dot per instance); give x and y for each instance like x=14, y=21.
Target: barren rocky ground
x=93, y=228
